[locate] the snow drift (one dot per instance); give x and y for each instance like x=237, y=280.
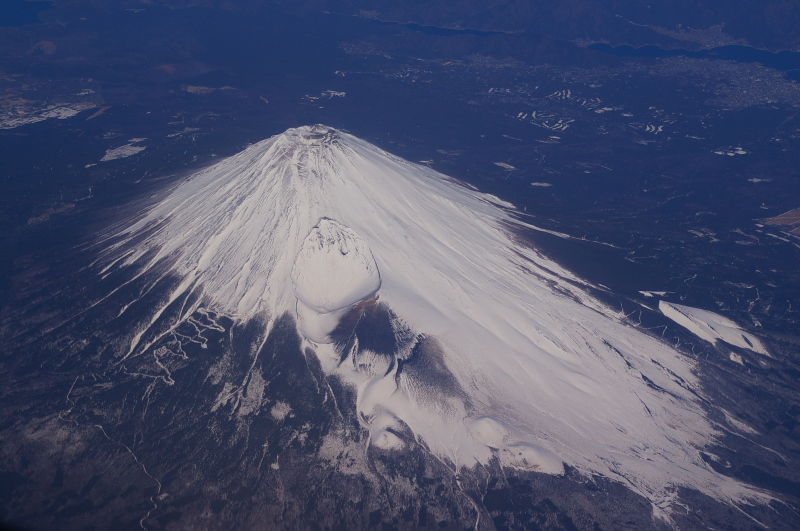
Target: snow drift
x=519, y=362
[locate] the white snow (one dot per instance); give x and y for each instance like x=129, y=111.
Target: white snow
x=654, y=293
x=731, y=152
x=59, y=112
x=531, y=457
x=711, y=327
x=317, y=326
x=559, y=376
x=517, y=454
x=333, y=271
x=489, y=431
x=186, y=130
x=280, y=410
x=123, y=151
x=334, y=268
x=382, y=435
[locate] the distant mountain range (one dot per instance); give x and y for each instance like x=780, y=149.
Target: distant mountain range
x=771, y=24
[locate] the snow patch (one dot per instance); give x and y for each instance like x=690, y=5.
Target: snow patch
x=489, y=431
x=382, y=433
x=122, y=152
x=528, y=456
x=60, y=112
x=280, y=411
x=514, y=453
x=739, y=425
x=711, y=327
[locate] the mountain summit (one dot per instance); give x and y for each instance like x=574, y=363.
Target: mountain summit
x=411, y=287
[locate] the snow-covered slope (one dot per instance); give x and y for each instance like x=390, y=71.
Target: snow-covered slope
x=333, y=271
x=711, y=327
x=529, y=367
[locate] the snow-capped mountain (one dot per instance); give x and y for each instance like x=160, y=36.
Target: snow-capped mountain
x=494, y=350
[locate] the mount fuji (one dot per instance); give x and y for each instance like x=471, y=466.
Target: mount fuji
x=316, y=311
x=317, y=224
